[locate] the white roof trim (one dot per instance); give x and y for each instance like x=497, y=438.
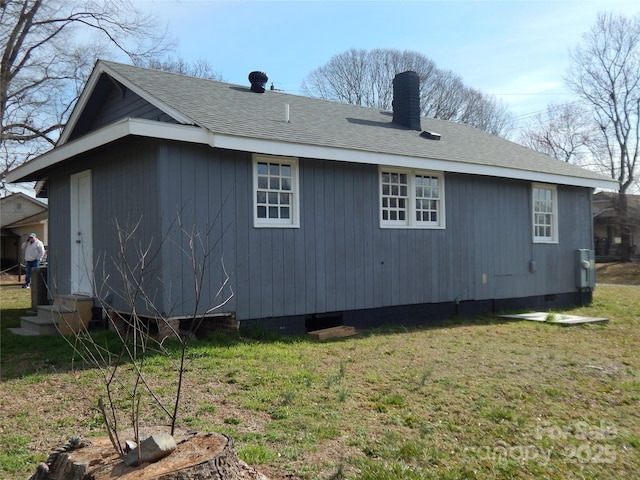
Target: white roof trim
x=359, y=156
x=106, y=135
x=101, y=68
x=193, y=134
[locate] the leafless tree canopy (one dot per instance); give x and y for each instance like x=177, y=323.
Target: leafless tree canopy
x=47, y=50
x=200, y=68
x=365, y=77
x=605, y=73
x=564, y=131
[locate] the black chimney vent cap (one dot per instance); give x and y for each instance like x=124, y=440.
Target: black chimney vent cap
x=258, y=81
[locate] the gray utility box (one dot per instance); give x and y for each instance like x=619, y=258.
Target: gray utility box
x=585, y=268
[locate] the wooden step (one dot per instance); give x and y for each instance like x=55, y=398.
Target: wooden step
x=334, y=332
x=81, y=304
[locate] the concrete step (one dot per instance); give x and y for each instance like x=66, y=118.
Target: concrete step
x=39, y=325
x=68, y=315
x=23, y=332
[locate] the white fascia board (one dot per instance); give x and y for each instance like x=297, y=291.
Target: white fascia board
x=375, y=158
x=105, y=135
x=192, y=134
x=88, y=91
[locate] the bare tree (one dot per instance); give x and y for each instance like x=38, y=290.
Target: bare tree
x=200, y=68
x=365, y=77
x=131, y=275
x=606, y=74
x=565, y=131
x=47, y=50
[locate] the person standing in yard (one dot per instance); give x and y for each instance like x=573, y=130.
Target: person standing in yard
x=33, y=252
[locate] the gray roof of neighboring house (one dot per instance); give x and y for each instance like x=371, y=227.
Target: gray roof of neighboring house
x=604, y=206
x=237, y=112
x=36, y=218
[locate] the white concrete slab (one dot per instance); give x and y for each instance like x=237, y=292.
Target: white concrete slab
x=559, y=318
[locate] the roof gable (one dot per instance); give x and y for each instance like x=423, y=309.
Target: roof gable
x=108, y=102
x=109, y=97
x=17, y=207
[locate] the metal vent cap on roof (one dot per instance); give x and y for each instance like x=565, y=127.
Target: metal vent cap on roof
x=258, y=81
x=430, y=135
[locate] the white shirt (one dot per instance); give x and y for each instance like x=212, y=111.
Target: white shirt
x=33, y=250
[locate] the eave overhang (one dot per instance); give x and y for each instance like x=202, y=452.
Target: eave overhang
x=35, y=169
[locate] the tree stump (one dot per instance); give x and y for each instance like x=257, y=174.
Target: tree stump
x=198, y=456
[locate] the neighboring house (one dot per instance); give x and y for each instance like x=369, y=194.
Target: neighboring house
x=20, y=215
x=324, y=213
x=606, y=220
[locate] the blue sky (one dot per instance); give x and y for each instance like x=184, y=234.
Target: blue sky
x=516, y=50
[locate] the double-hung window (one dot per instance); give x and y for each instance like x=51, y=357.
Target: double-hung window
x=411, y=199
x=275, y=191
x=545, y=213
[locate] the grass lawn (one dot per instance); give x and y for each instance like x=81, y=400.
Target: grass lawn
x=471, y=398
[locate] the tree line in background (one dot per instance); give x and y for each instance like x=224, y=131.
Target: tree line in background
x=601, y=129
x=48, y=48
x=365, y=77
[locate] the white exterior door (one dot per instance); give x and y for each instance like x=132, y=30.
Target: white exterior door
x=81, y=234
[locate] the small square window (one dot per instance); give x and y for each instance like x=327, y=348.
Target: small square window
x=276, y=198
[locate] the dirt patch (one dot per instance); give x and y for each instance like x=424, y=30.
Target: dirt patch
x=10, y=279
x=618, y=273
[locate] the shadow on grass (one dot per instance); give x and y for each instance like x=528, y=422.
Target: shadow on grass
x=23, y=355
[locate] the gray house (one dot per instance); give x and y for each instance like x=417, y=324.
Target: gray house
x=313, y=213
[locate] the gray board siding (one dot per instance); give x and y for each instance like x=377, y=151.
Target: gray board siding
x=124, y=198
x=59, y=248
x=125, y=205
x=338, y=260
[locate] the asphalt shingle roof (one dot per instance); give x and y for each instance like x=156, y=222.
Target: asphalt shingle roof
x=235, y=110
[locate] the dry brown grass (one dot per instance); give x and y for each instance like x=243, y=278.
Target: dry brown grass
x=618, y=273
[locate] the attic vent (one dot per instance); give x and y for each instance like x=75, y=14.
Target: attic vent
x=258, y=80
x=430, y=135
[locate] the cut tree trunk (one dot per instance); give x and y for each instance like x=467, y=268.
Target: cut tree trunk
x=198, y=456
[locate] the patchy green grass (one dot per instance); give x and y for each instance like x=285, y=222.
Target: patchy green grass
x=473, y=398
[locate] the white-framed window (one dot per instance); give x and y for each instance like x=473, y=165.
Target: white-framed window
x=275, y=192
x=545, y=213
x=411, y=198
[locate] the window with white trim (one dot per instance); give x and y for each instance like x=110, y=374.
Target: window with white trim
x=276, y=195
x=411, y=199
x=545, y=213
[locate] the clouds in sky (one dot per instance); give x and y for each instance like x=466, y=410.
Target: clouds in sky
x=516, y=50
